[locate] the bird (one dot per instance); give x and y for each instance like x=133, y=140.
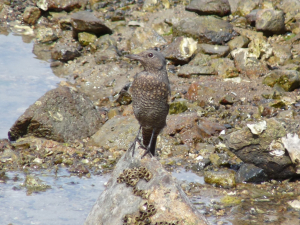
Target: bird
x=150, y=91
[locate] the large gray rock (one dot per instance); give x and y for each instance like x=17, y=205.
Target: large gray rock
x=205, y=29
x=209, y=7
x=270, y=21
x=258, y=149
x=84, y=21
x=62, y=114
x=160, y=199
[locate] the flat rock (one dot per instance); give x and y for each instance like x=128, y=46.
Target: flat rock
x=270, y=21
x=84, y=21
x=219, y=50
x=257, y=149
x=205, y=29
x=62, y=114
x=60, y=5
x=209, y=7
x=160, y=199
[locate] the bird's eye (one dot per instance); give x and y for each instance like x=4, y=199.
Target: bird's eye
x=150, y=55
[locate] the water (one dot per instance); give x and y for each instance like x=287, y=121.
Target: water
x=23, y=79
x=67, y=202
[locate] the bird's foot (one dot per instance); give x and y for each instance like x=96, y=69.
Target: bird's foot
x=147, y=152
x=134, y=144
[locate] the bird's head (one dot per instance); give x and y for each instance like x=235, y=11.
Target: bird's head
x=151, y=60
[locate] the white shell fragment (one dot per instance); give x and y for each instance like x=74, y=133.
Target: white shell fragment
x=295, y=204
x=292, y=145
x=257, y=128
x=276, y=148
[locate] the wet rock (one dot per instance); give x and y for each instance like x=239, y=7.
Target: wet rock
x=124, y=98
x=219, y=50
x=35, y=184
x=223, y=178
x=125, y=200
x=112, y=113
x=85, y=38
x=44, y=34
x=178, y=106
x=250, y=173
x=144, y=38
x=250, y=66
x=270, y=21
x=255, y=149
x=84, y=21
x=65, y=49
x=205, y=29
x=181, y=50
x=231, y=200
x=238, y=42
x=31, y=15
x=59, y=5
x=116, y=133
x=62, y=114
x=209, y=7
x=289, y=80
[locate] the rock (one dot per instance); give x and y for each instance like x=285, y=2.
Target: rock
x=292, y=145
x=257, y=128
x=209, y=7
x=281, y=53
x=295, y=204
x=85, y=38
x=187, y=71
x=199, y=92
x=250, y=173
x=250, y=66
x=181, y=50
x=255, y=149
x=106, y=55
x=224, y=67
x=219, y=50
x=244, y=8
x=219, y=159
x=65, y=49
x=144, y=38
x=224, y=178
x=31, y=15
x=205, y=29
x=143, y=196
x=228, y=99
x=289, y=80
x=178, y=106
x=238, y=42
x=116, y=133
x=270, y=21
x=35, y=184
x=44, y=34
x=59, y=5
x=251, y=17
x=62, y=114
x=290, y=7
x=84, y=21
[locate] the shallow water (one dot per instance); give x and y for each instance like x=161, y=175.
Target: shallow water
x=23, y=79
x=67, y=202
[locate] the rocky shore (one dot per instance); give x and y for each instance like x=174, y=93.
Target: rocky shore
x=235, y=103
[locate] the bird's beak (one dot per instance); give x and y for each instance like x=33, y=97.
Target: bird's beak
x=134, y=57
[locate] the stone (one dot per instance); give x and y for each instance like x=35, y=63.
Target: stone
x=205, y=29
x=44, y=34
x=218, y=50
x=209, y=7
x=187, y=71
x=292, y=145
x=223, y=178
x=144, y=38
x=238, y=42
x=106, y=55
x=282, y=52
x=244, y=8
x=199, y=92
x=65, y=49
x=84, y=21
x=31, y=15
x=85, y=38
x=62, y=114
x=60, y=5
x=180, y=50
x=270, y=21
x=290, y=7
x=255, y=149
x=289, y=80
x=116, y=133
x=224, y=67
x=126, y=199
x=178, y=106
x=250, y=173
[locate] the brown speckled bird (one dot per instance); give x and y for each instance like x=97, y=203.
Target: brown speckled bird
x=150, y=92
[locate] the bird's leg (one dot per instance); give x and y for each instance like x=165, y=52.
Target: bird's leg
x=152, y=143
x=135, y=140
